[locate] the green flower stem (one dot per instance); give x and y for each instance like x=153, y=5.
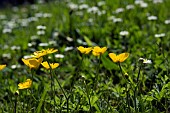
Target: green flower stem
x=32, y=75
x=52, y=87
x=111, y=72
x=32, y=95
x=15, y=105
x=135, y=91
x=78, y=103
x=77, y=71
x=79, y=65
x=24, y=103
x=27, y=102
x=127, y=92
x=98, y=68
x=97, y=72
x=52, y=83
x=76, y=75
x=166, y=104
x=122, y=72
x=8, y=94
x=71, y=23
x=121, y=69
x=63, y=93
x=32, y=87
x=163, y=53
x=88, y=95
x=139, y=73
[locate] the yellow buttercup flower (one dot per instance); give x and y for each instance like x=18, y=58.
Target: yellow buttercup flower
x=33, y=62
x=38, y=54
x=118, y=58
x=2, y=67
x=98, y=51
x=25, y=85
x=52, y=65
x=84, y=50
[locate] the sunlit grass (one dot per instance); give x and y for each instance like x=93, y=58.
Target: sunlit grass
x=85, y=56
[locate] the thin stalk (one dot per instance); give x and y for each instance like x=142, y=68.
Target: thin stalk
x=32, y=95
x=88, y=95
x=166, y=62
x=63, y=93
x=8, y=94
x=32, y=74
x=127, y=92
x=166, y=59
x=135, y=99
x=77, y=106
x=98, y=68
x=78, y=70
x=111, y=72
x=121, y=69
x=76, y=73
x=24, y=104
x=27, y=102
x=79, y=65
x=52, y=84
x=75, y=77
x=70, y=23
x=139, y=73
x=15, y=106
x=53, y=87
x=166, y=105
x=32, y=87
x=128, y=100
x=54, y=92
x=135, y=91
x=122, y=72
x=97, y=72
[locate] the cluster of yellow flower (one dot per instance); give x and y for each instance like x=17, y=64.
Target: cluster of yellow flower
x=97, y=51
x=34, y=63
x=37, y=59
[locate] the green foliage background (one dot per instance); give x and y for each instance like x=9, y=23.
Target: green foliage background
x=73, y=27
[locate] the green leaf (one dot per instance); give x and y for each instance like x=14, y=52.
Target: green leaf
x=13, y=89
x=41, y=101
x=93, y=100
x=88, y=41
x=108, y=41
x=108, y=64
x=148, y=98
x=85, y=108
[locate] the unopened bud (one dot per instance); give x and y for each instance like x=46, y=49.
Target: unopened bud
x=17, y=93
